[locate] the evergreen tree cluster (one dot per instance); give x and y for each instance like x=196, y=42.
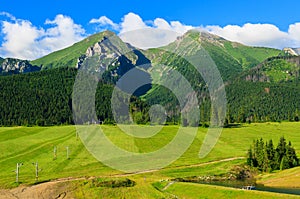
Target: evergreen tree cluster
x=262, y=102
x=45, y=98
x=265, y=157
x=37, y=98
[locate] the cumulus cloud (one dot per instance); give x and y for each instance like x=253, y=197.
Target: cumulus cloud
x=267, y=35
x=63, y=33
x=8, y=15
x=149, y=35
x=19, y=40
x=145, y=34
x=103, y=21
x=25, y=41
x=294, y=33
x=132, y=22
x=22, y=39
x=175, y=26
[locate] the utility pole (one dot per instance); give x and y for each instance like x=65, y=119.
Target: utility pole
x=18, y=171
x=36, y=171
x=67, y=152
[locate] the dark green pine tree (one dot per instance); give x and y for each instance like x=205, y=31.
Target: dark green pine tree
x=277, y=161
x=281, y=148
x=260, y=154
x=250, y=157
x=255, y=153
x=266, y=163
x=284, y=164
x=271, y=155
x=291, y=156
x=264, y=157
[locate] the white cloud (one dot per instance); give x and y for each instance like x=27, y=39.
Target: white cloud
x=294, y=32
x=22, y=39
x=145, y=34
x=19, y=39
x=266, y=35
x=8, y=15
x=161, y=32
x=104, y=21
x=25, y=41
x=149, y=37
x=252, y=34
x=136, y=32
x=64, y=33
x=132, y=22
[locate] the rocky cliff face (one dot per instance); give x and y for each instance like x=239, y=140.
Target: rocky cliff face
x=107, y=52
x=111, y=58
x=292, y=51
x=10, y=65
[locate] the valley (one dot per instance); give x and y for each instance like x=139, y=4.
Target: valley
x=36, y=144
x=40, y=113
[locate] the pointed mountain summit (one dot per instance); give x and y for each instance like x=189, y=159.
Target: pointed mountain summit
x=231, y=58
x=69, y=56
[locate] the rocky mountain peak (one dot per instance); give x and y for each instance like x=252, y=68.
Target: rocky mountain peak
x=292, y=51
x=11, y=65
x=107, y=51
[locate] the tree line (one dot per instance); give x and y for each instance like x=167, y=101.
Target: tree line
x=265, y=157
x=262, y=102
x=45, y=98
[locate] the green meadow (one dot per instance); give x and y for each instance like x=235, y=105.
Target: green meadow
x=28, y=145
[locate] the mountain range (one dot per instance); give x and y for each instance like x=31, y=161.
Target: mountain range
x=261, y=83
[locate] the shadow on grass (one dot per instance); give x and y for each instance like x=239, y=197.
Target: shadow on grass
x=233, y=126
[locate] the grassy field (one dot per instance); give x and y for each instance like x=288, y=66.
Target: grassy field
x=288, y=178
x=189, y=190
x=36, y=144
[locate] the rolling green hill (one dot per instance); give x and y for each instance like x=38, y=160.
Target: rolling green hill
x=36, y=144
x=68, y=57
x=230, y=58
x=248, y=56
x=274, y=69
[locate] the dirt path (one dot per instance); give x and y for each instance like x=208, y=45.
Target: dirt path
x=59, y=189
x=51, y=190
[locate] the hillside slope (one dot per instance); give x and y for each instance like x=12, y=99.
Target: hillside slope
x=273, y=99
x=68, y=57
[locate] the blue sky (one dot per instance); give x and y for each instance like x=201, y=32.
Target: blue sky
x=258, y=23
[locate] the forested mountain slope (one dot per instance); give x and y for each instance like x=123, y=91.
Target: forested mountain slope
x=260, y=86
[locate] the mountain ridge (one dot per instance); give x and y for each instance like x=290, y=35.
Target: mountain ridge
x=68, y=57
x=274, y=98
x=245, y=56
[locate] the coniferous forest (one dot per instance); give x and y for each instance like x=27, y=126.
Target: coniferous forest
x=45, y=98
x=266, y=157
